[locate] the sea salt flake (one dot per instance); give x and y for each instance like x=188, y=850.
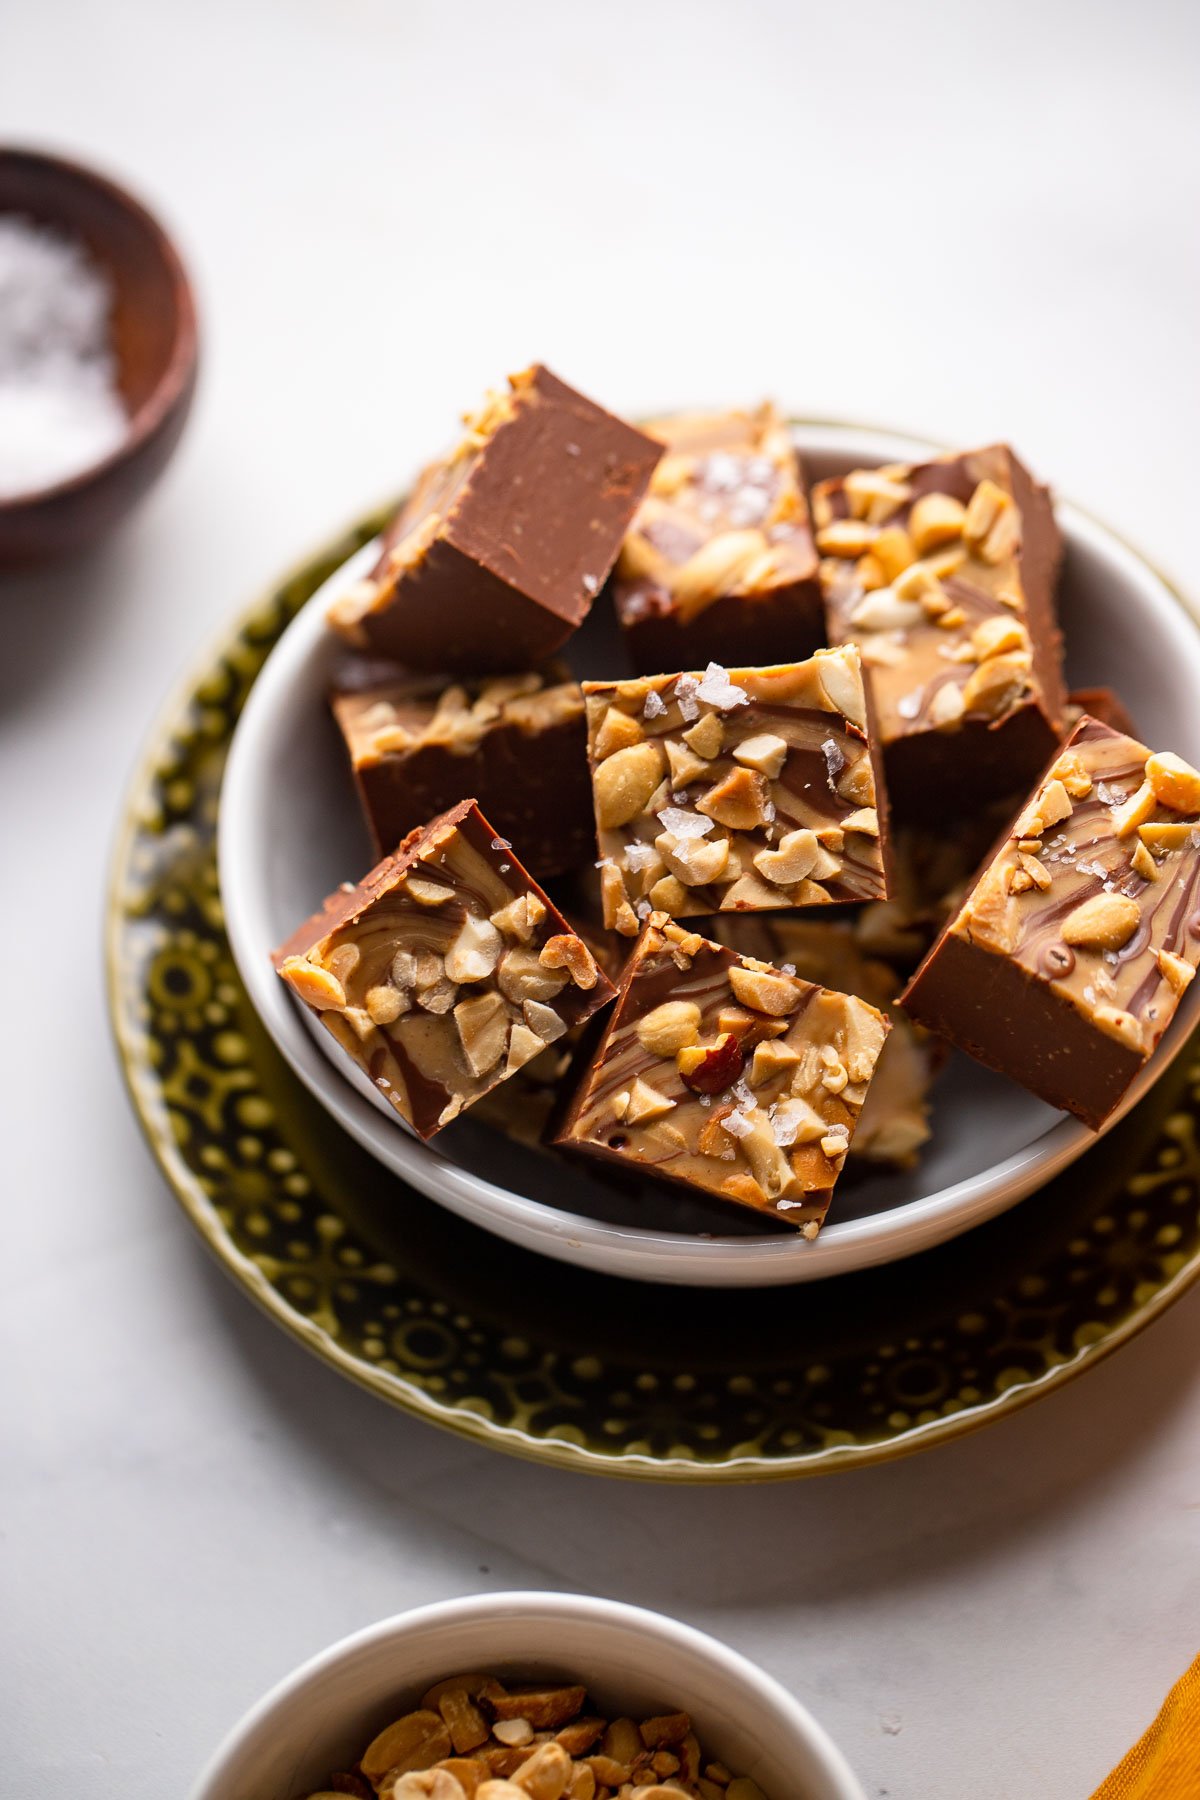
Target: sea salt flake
x=655, y=706
x=640, y=856
x=721, y=472
x=737, y=1125
x=686, y=689
x=717, y=690
x=787, y=968
x=643, y=909
x=683, y=824
x=591, y=584
x=749, y=507
x=835, y=762
x=909, y=705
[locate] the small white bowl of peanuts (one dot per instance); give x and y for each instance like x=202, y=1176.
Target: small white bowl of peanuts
x=528, y=1696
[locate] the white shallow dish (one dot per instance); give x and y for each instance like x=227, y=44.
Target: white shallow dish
x=290, y=831
x=634, y=1662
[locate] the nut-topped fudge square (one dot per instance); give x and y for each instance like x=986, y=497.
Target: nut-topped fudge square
x=516, y=743
x=728, y=1075
x=502, y=546
x=1065, y=963
x=735, y=790
x=944, y=574
x=719, y=564
x=894, y=1125
x=444, y=971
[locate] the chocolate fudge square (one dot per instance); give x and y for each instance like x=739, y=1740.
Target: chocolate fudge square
x=944, y=574
x=1066, y=961
x=729, y=1076
x=735, y=790
x=894, y=1125
x=719, y=564
x=516, y=744
x=501, y=548
x=444, y=970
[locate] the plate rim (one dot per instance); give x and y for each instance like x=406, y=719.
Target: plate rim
x=395, y=1389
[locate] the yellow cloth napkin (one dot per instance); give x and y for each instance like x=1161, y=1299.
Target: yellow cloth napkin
x=1164, y=1764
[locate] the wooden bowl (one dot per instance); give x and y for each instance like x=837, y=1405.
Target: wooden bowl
x=153, y=330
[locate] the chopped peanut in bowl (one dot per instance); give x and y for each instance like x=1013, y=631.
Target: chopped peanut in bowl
x=474, y=1737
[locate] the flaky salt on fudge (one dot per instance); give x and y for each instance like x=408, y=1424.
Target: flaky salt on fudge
x=719, y=564
x=894, y=1124
x=735, y=790
x=727, y=1075
x=944, y=574
x=444, y=970
x=1066, y=961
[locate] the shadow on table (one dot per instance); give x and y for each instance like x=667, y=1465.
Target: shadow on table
x=781, y=1545
x=53, y=614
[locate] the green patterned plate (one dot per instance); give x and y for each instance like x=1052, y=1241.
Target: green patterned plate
x=539, y=1358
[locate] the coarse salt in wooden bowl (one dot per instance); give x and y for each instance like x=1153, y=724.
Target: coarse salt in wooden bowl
x=153, y=339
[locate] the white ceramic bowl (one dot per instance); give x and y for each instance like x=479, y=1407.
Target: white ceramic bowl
x=290, y=831
x=634, y=1662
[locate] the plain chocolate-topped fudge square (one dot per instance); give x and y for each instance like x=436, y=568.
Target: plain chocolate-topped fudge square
x=502, y=546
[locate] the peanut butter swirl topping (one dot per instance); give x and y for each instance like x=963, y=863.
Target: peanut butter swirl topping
x=727, y=1074
x=893, y=1126
x=734, y=790
x=922, y=569
x=445, y=971
x=1097, y=889
x=725, y=515
x=419, y=713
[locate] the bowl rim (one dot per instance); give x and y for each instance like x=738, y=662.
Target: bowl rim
x=550, y=1608
x=640, y=1252
x=182, y=363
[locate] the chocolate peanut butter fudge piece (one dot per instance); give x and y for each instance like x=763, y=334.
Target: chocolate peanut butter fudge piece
x=728, y=1075
x=445, y=969
x=944, y=574
x=719, y=564
x=893, y=1126
x=516, y=743
x=1065, y=963
x=735, y=790
x=502, y=546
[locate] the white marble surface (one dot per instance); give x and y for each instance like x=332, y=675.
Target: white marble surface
x=961, y=219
